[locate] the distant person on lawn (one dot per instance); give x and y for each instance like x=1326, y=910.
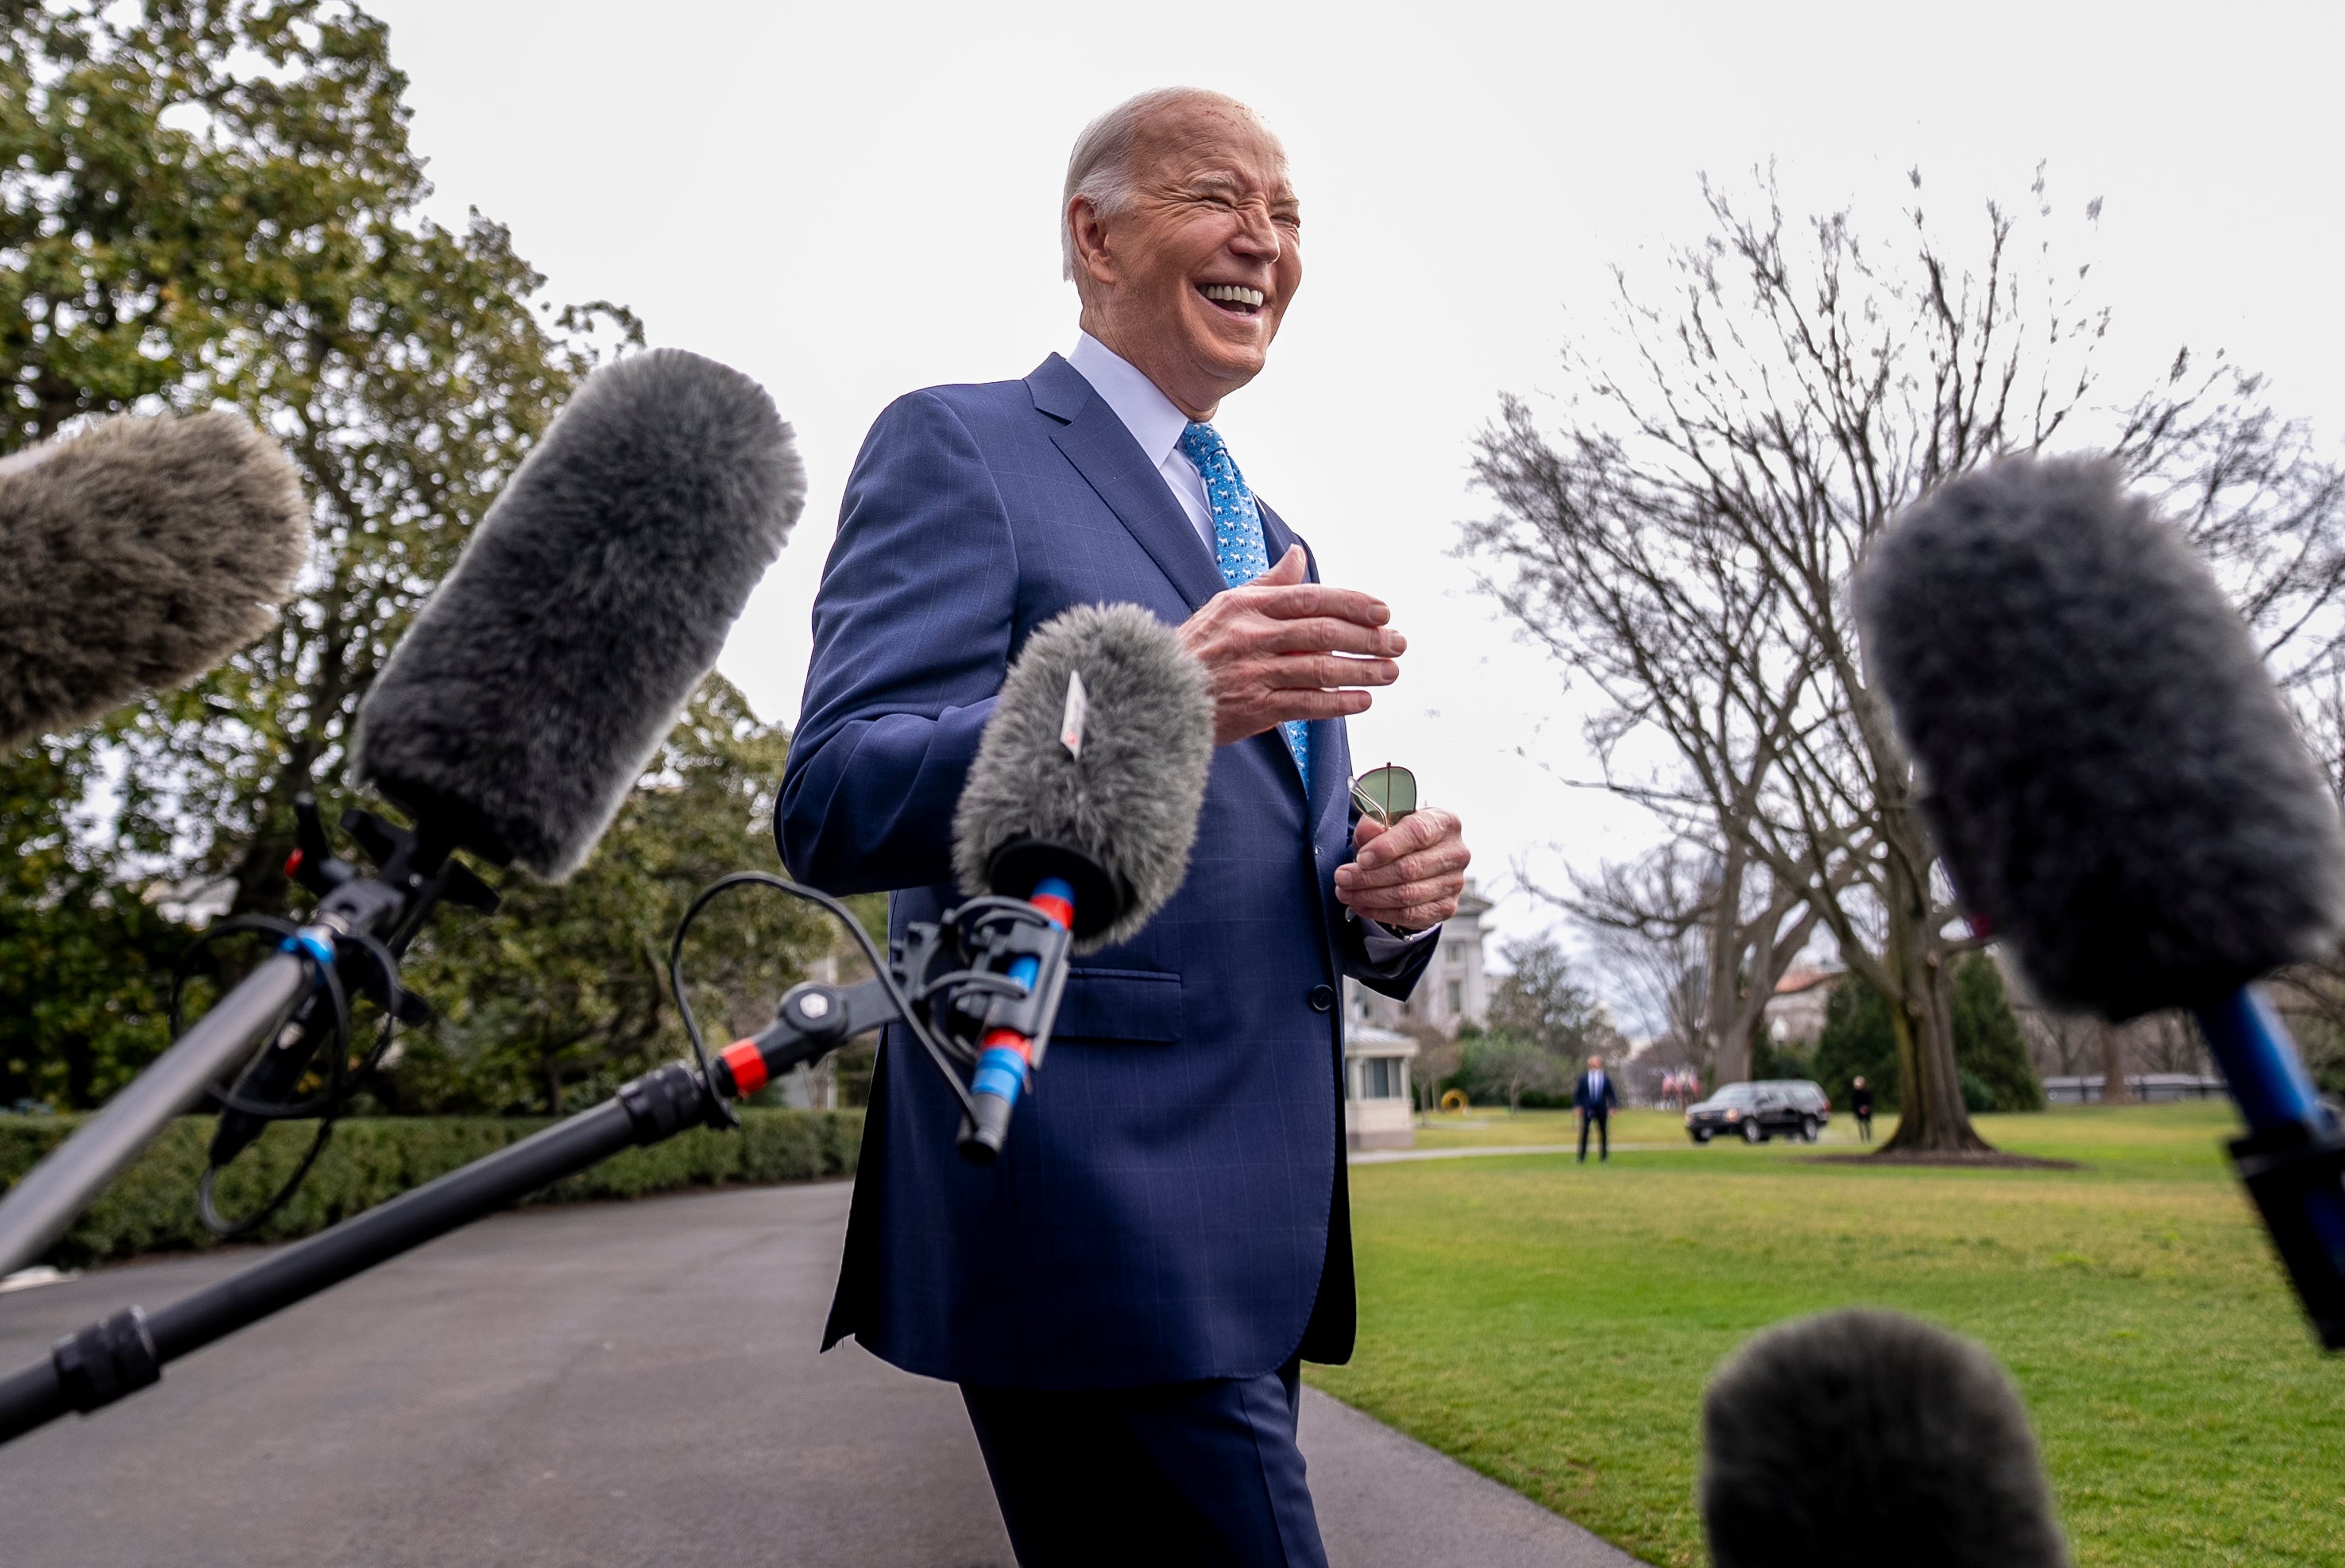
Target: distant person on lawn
x=1860, y=1100
x=1593, y=1097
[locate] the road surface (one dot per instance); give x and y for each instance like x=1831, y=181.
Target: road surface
x=616, y=1384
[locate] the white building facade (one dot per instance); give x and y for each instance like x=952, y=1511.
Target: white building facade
x=1379, y=1112
x=1454, y=989
x=1379, y=1046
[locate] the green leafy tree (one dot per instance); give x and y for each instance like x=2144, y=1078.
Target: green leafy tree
x=1857, y=1041
x=209, y=204
x=216, y=204
x=1787, y=1060
x=1988, y=1046
x=1502, y=1067
x=83, y=961
x=1540, y=1021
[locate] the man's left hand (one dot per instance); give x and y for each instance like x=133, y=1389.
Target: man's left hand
x=1407, y=875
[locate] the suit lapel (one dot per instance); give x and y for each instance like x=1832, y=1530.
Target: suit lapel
x=1104, y=453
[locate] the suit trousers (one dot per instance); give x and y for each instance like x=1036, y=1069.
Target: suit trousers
x=1602, y=1121
x=1181, y=1476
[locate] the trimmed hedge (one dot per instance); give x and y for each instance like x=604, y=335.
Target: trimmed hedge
x=151, y=1206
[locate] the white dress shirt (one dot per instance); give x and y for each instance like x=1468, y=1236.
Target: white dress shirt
x=1156, y=424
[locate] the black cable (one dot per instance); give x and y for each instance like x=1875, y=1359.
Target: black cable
x=905, y=1008
x=329, y=1104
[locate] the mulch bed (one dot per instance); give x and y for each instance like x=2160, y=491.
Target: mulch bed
x=1968, y=1159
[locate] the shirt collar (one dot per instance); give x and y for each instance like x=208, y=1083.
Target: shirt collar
x=1150, y=417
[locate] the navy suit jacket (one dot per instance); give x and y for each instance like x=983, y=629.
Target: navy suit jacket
x=1170, y=1206
x=1602, y=1105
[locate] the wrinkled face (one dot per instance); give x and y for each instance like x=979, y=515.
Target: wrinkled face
x=1189, y=279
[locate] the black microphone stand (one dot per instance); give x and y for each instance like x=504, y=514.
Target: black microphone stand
x=282, y=1002
x=121, y=1354
x=951, y=984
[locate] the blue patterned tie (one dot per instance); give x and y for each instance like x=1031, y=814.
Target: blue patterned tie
x=1238, y=547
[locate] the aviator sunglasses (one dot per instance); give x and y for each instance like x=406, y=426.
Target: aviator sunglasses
x=1387, y=794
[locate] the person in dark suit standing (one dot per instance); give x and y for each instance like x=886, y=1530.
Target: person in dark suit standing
x=1860, y=1101
x=1125, y=1298
x=1594, y=1097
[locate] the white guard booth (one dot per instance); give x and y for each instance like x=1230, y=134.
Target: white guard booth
x=1379, y=1112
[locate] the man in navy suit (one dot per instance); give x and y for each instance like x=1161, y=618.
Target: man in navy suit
x=1593, y=1096
x=1125, y=1298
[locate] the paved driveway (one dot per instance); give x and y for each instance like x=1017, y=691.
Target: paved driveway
x=606, y=1385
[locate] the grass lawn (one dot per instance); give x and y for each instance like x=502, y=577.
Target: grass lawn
x=1552, y=1324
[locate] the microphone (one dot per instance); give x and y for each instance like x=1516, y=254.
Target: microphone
x=544, y=674
x=141, y=553
x=1831, y=1441
x=511, y=721
x=2118, y=792
x=1084, y=800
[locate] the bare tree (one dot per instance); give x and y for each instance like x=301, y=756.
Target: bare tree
x=1685, y=543
x=1706, y=932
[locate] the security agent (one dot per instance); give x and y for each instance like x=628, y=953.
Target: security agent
x=1593, y=1096
x=1125, y=1299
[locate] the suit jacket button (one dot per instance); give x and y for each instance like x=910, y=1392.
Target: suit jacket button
x=1323, y=998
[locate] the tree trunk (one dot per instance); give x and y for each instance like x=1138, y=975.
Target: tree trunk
x=1729, y=1043
x=2114, y=1090
x=1931, y=1115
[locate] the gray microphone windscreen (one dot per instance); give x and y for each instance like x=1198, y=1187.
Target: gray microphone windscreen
x=539, y=680
x=139, y=555
x=1855, y=1438
x=2109, y=772
x=1125, y=799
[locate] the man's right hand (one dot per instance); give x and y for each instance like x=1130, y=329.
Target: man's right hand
x=1277, y=648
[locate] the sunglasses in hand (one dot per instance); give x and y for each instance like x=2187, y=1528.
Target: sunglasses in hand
x=1387, y=794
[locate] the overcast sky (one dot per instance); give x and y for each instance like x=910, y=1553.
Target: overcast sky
x=852, y=201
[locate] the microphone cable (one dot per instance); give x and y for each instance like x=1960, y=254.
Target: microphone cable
x=909, y=1009
x=331, y=1102
x=963, y=991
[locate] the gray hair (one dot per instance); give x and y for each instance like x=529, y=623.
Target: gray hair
x=1102, y=166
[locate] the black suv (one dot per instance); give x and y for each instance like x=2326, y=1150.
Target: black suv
x=1756, y=1112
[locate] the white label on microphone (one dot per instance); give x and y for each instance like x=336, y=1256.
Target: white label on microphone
x=1078, y=707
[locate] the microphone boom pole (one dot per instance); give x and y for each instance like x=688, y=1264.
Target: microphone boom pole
x=41, y=1205
x=1046, y=879
x=284, y=993
x=119, y=1355
x=510, y=722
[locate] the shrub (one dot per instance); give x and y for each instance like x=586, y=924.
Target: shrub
x=1987, y=1042
x=151, y=1206
x=1989, y=1049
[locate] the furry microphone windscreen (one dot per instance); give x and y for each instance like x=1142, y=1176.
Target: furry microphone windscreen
x=2107, y=768
x=139, y=555
x=544, y=674
x=1856, y=1438
x=1128, y=796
